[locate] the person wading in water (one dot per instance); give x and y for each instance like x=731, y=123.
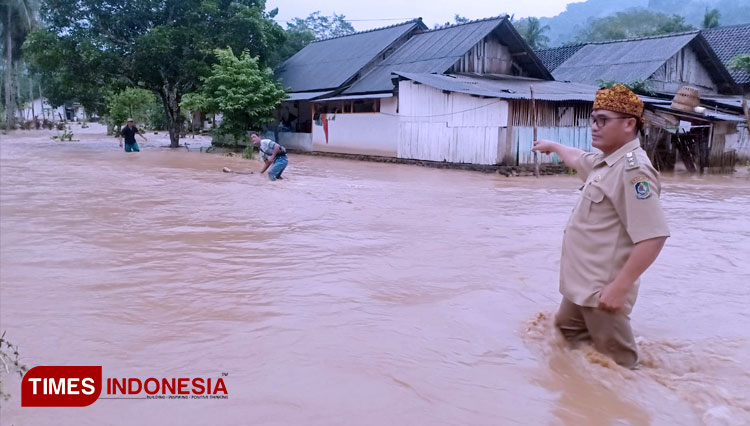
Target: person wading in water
x=274, y=156
x=129, y=132
x=616, y=230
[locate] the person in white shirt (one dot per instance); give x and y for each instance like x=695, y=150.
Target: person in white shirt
x=274, y=156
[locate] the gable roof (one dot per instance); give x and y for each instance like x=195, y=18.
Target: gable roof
x=555, y=56
x=438, y=50
x=329, y=63
x=621, y=60
x=727, y=42
x=637, y=59
x=505, y=86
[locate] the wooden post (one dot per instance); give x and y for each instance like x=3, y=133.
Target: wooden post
x=31, y=95
x=41, y=102
x=9, y=116
x=533, y=120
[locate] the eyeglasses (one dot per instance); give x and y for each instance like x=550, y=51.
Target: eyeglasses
x=602, y=121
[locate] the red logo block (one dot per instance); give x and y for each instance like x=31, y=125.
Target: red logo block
x=61, y=386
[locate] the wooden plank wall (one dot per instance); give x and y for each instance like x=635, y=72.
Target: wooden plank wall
x=487, y=56
x=565, y=122
x=452, y=127
x=681, y=69
x=460, y=128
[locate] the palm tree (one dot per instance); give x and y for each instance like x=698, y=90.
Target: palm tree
x=20, y=18
x=533, y=32
x=711, y=18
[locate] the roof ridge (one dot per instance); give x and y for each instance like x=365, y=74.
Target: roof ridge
x=412, y=21
x=567, y=46
x=490, y=18
x=725, y=27
x=653, y=37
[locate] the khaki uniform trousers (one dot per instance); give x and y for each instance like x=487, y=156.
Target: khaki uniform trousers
x=609, y=332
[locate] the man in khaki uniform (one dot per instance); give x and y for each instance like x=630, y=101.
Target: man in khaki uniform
x=616, y=230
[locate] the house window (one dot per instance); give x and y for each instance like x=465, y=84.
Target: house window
x=350, y=106
x=366, y=105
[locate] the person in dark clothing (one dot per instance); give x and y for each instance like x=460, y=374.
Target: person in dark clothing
x=128, y=132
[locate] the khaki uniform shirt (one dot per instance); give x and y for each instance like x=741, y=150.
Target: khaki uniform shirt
x=619, y=206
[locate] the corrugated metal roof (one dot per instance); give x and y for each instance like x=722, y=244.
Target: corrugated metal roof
x=436, y=51
x=329, y=63
x=554, y=57
x=623, y=61
x=730, y=101
x=349, y=97
x=707, y=116
x=506, y=87
x=727, y=42
x=303, y=96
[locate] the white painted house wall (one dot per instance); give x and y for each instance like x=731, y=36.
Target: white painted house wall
x=361, y=133
x=49, y=112
x=452, y=127
x=296, y=141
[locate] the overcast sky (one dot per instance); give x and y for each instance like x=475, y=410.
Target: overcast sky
x=431, y=11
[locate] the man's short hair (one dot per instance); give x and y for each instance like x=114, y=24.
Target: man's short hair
x=255, y=133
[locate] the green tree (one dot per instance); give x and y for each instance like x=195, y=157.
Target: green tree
x=301, y=32
x=740, y=62
x=70, y=70
x=238, y=87
x=18, y=19
x=164, y=47
x=195, y=101
x=533, y=32
x=711, y=18
x=641, y=87
x=632, y=23
x=323, y=26
x=130, y=103
x=457, y=20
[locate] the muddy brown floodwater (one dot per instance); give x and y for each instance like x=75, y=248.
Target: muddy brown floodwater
x=352, y=293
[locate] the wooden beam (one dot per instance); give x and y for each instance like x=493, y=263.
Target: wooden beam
x=533, y=118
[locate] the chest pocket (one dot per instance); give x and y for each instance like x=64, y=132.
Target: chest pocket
x=592, y=199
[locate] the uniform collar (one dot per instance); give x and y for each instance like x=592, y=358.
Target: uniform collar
x=612, y=158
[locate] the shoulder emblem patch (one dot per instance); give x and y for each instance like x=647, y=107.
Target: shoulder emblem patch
x=639, y=178
x=642, y=190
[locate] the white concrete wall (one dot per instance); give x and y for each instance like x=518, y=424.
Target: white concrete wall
x=360, y=133
x=452, y=127
x=49, y=112
x=297, y=141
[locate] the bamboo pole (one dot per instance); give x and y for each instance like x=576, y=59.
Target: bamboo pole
x=41, y=102
x=533, y=120
x=31, y=96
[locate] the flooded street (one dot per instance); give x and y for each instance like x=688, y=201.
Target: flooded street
x=352, y=293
